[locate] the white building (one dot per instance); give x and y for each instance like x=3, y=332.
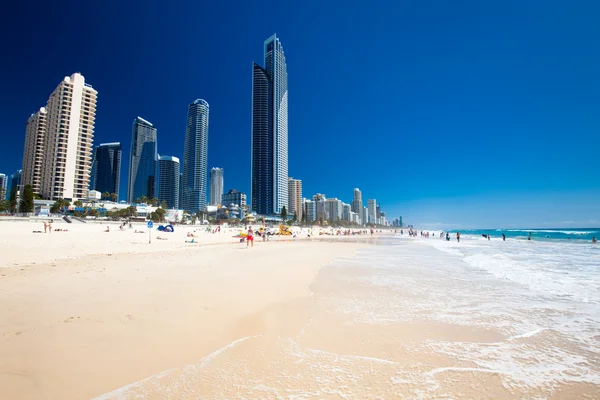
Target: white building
x=67, y=141
x=295, y=198
x=333, y=209
x=216, y=186
x=372, y=215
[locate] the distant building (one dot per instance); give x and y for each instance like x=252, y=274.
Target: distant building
x=364, y=216
x=321, y=213
x=195, y=157
x=269, y=190
x=3, y=186
x=333, y=209
x=295, y=198
x=401, y=224
x=311, y=211
x=357, y=201
x=346, y=212
x=216, y=186
x=168, y=181
x=142, y=161
x=15, y=182
x=33, y=153
x=106, y=168
x=233, y=197
x=372, y=206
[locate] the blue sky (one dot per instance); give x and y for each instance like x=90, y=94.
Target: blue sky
x=451, y=114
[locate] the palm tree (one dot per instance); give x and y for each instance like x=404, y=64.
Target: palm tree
x=114, y=197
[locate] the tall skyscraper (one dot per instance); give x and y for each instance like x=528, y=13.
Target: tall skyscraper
x=295, y=198
x=372, y=206
x=58, y=144
x=142, y=161
x=195, y=155
x=106, y=168
x=216, y=186
x=357, y=202
x=270, y=131
x=33, y=153
x=168, y=181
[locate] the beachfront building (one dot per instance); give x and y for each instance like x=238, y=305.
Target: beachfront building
x=168, y=181
x=142, y=161
x=320, y=211
x=33, y=153
x=295, y=198
x=333, y=209
x=3, y=186
x=269, y=184
x=346, y=212
x=195, y=155
x=364, y=216
x=15, y=182
x=233, y=197
x=357, y=201
x=311, y=210
x=106, y=169
x=58, y=142
x=216, y=186
x=372, y=214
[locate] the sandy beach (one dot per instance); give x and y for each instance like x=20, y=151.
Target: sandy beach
x=88, y=314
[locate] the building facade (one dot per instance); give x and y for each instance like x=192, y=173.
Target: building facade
x=295, y=198
x=216, y=186
x=372, y=207
x=357, y=201
x=3, y=186
x=33, y=153
x=15, y=182
x=195, y=157
x=333, y=209
x=70, y=116
x=168, y=181
x=346, y=212
x=269, y=182
x=233, y=197
x=311, y=211
x=106, y=168
x=142, y=161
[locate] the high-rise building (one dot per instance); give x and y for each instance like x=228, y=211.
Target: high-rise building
x=311, y=211
x=270, y=131
x=400, y=223
x=106, y=168
x=67, y=144
x=372, y=206
x=233, y=197
x=15, y=182
x=333, y=209
x=180, y=190
x=364, y=215
x=168, y=181
x=357, y=201
x=195, y=155
x=295, y=198
x=142, y=161
x=216, y=186
x=33, y=153
x=346, y=212
x=3, y=186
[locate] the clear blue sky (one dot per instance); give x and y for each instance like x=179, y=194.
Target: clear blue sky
x=494, y=107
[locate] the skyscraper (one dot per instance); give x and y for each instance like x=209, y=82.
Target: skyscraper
x=195, y=155
x=168, y=181
x=270, y=131
x=33, y=153
x=15, y=182
x=372, y=205
x=216, y=186
x=67, y=141
x=3, y=186
x=142, y=161
x=295, y=198
x=357, y=203
x=106, y=168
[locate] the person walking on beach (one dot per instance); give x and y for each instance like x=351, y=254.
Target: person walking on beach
x=50, y=226
x=503, y=237
x=250, y=237
x=458, y=237
x=45, y=226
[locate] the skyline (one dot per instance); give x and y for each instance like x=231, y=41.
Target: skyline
x=482, y=123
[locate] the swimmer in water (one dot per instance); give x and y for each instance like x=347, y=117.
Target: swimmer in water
x=594, y=240
x=503, y=237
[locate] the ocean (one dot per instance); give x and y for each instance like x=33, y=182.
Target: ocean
x=584, y=234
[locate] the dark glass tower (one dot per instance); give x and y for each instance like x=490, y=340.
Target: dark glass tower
x=168, y=181
x=270, y=131
x=142, y=161
x=195, y=155
x=106, y=168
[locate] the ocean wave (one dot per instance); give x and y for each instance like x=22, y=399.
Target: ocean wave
x=553, y=231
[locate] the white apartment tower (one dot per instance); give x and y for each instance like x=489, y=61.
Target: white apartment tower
x=67, y=149
x=372, y=206
x=295, y=198
x=33, y=153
